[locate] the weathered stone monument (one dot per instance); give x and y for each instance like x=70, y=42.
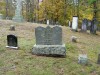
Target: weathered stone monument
x=12, y=42
x=49, y=41
x=84, y=25
x=18, y=12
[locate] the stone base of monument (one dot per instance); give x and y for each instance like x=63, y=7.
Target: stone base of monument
x=54, y=50
x=18, y=19
x=1, y=16
x=11, y=47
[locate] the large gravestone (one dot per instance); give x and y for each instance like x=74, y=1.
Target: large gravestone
x=18, y=12
x=49, y=41
x=12, y=41
x=84, y=25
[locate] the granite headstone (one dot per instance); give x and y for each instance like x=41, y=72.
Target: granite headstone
x=49, y=41
x=12, y=41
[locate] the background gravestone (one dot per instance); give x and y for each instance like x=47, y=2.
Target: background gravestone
x=70, y=24
x=12, y=41
x=47, y=22
x=75, y=23
x=18, y=12
x=98, y=61
x=49, y=41
x=93, y=26
x=84, y=25
x=1, y=16
x=12, y=28
x=89, y=24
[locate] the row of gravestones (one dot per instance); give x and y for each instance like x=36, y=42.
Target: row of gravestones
x=48, y=42
x=86, y=25
x=89, y=25
x=13, y=43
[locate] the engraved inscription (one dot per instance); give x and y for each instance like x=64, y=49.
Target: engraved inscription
x=48, y=35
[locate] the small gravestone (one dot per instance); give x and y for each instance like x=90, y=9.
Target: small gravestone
x=82, y=59
x=70, y=24
x=84, y=25
x=74, y=39
x=12, y=42
x=49, y=41
x=12, y=28
x=93, y=26
x=98, y=61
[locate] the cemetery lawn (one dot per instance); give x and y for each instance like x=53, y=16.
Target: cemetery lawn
x=22, y=62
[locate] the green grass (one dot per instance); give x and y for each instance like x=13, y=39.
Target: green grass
x=22, y=62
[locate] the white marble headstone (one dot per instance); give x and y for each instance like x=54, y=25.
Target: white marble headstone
x=47, y=22
x=75, y=23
